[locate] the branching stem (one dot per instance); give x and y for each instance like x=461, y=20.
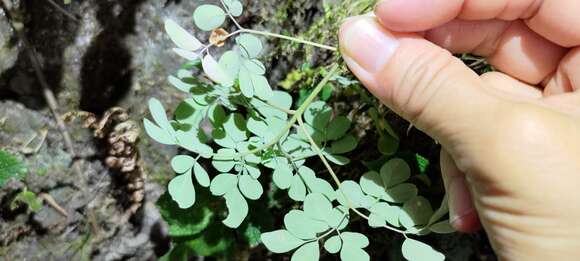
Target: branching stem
x=290, y=38
x=335, y=177
x=297, y=115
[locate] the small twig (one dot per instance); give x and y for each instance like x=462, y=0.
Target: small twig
x=63, y=11
x=51, y=202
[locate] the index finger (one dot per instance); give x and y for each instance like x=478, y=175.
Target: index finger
x=555, y=20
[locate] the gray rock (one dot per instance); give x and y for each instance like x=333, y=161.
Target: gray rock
x=9, y=48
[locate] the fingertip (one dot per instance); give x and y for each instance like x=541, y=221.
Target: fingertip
x=467, y=223
x=416, y=15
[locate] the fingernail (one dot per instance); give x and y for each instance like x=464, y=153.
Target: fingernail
x=364, y=42
x=460, y=202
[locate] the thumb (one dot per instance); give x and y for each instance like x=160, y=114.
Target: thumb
x=418, y=80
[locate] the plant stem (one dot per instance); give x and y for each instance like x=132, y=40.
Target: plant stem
x=298, y=114
x=335, y=178
x=289, y=38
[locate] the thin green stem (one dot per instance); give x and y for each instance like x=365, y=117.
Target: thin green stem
x=335, y=177
x=297, y=115
x=289, y=38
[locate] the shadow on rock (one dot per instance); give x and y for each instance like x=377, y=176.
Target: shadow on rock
x=106, y=74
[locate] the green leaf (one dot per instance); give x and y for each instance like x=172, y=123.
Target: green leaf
x=281, y=241
x=250, y=187
x=159, y=115
x=318, y=114
x=387, y=213
x=237, y=208
x=282, y=177
x=160, y=135
x=246, y=84
x=354, y=194
x=317, y=206
x=231, y=63
x=297, y=190
x=443, y=227
x=201, y=175
x=234, y=7
x=307, y=252
x=401, y=193
x=262, y=87
x=10, y=167
x=209, y=17
x=338, y=218
x=302, y=226
x=217, y=116
x=344, y=145
x=216, y=240
x=254, y=66
x=394, y=172
x=414, y=250
x=372, y=184
x=441, y=211
x=376, y=221
x=279, y=99
x=338, y=128
x=353, y=253
x=182, y=191
x=416, y=212
x=182, y=163
x=223, y=160
x=179, y=84
x=223, y=184
x=250, y=45
x=388, y=145
x=29, y=198
x=216, y=72
x=188, y=55
x=333, y=244
x=181, y=37
x=353, y=239
x=353, y=243
x=234, y=131
x=185, y=222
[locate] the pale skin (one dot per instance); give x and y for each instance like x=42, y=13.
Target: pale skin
x=511, y=139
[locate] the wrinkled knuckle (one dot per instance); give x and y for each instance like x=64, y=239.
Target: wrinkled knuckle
x=425, y=76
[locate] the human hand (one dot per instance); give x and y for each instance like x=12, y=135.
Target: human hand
x=511, y=139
